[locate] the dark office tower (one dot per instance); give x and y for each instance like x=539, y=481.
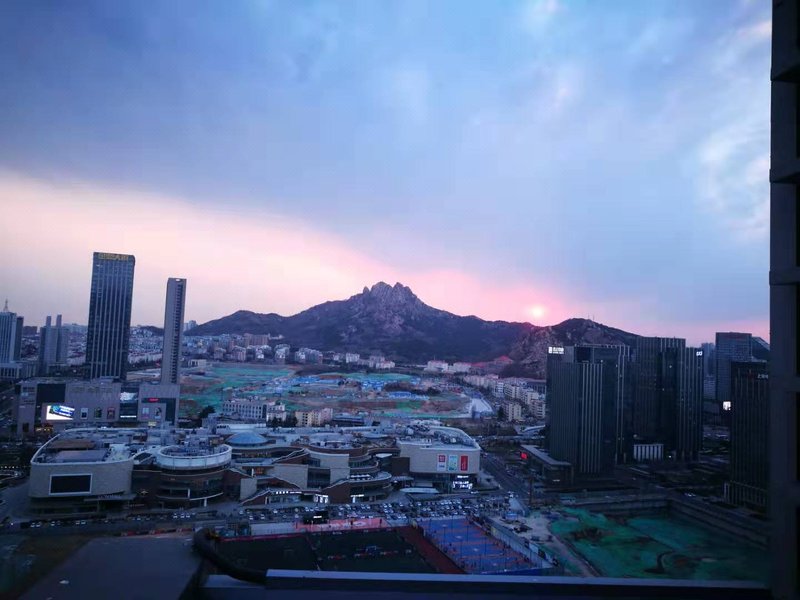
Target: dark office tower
x=173, y=330
x=749, y=434
x=688, y=414
x=731, y=347
x=53, y=345
x=10, y=335
x=109, y=315
x=784, y=280
x=655, y=387
x=587, y=396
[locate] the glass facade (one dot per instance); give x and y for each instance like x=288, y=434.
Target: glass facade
x=109, y=315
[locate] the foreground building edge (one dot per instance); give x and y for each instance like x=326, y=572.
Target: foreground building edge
x=784, y=298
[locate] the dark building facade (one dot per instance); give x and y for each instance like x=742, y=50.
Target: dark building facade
x=749, y=434
x=588, y=395
x=173, y=330
x=731, y=347
x=109, y=315
x=668, y=396
x=784, y=280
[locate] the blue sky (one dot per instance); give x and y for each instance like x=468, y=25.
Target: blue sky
x=519, y=160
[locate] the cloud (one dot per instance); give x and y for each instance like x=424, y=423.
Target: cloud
x=254, y=260
x=536, y=15
x=405, y=89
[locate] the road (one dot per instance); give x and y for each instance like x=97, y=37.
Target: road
x=510, y=483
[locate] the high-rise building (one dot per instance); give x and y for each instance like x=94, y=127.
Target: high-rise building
x=668, y=396
x=749, y=434
x=53, y=345
x=688, y=414
x=784, y=281
x=731, y=347
x=109, y=315
x=587, y=397
x=173, y=330
x=655, y=386
x=10, y=335
x=191, y=324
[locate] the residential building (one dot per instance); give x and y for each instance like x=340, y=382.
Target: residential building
x=512, y=412
x=53, y=345
x=313, y=418
x=109, y=315
x=749, y=434
x=175, y=306
x=253, y=409
x=191, y=324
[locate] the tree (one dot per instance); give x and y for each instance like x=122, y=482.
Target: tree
x=206, y=412
x=501, y=414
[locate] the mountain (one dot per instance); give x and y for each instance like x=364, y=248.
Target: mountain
x=384, y=318
x=530, y=351
x=394, y=321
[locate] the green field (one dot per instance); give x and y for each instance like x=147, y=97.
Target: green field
x=659, y=547
x=203, y=387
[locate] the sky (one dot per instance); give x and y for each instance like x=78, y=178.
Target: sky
x=527, y=161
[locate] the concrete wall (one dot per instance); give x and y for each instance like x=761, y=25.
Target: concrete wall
x=293, y=473
x=107, y=477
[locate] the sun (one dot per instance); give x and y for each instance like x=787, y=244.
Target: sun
x=537, y=311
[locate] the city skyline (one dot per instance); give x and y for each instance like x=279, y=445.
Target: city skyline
x=489, y=181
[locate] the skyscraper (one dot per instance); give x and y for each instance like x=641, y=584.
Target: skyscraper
x=749, y=434
x=53, y=345
x=587, y=396
x=173, y=330
x=784, y=281
x=731, y=347
x=655, y=371
x=668, y=395
x=10, y=335
x=109, y=315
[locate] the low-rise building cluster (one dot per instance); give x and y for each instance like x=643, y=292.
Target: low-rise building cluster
x=94, y=469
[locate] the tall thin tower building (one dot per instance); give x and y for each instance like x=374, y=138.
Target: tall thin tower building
x=109, y=315
x=10, y=335
x=173, y=330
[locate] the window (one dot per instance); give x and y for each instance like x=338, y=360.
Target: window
x=98, y=413
x=145, y=411
x=84, y=413
x=111, y=414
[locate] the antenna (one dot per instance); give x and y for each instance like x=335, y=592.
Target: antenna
x=5, y=308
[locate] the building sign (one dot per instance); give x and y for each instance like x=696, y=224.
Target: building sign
x=59, y=412
x=464, y=462
x=555, y=350
x=441, y=463
x=112, y=256
x=452, y=462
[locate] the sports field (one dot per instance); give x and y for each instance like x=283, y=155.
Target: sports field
x=385, y=551
x=659, y=546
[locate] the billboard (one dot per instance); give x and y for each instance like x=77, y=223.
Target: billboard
x=464, y=462
x=452, y=462
x=58, y=412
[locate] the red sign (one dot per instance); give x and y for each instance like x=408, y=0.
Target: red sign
x=442, y=458
x=464, y=462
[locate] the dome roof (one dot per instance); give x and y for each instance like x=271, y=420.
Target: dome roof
x=246, y=438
